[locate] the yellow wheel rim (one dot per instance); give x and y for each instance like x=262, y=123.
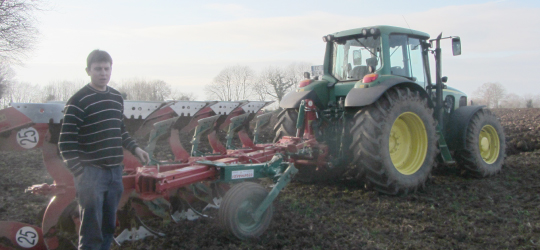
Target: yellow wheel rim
x=488, y=142
x=408, y=143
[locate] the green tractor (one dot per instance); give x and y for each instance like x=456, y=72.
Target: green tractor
x=384, y=119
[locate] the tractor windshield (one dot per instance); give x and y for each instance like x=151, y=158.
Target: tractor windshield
x=353, y=57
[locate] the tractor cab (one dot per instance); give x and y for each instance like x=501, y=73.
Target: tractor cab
x=381, y=50
x=363, y=55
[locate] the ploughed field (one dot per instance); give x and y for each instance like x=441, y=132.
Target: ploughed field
x=453, y=212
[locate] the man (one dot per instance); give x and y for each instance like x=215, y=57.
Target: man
x=91, y=141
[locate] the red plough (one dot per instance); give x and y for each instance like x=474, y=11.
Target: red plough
x=173, y=190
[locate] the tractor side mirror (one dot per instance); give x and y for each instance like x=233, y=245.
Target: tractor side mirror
x=444, y=79
x=456, y=46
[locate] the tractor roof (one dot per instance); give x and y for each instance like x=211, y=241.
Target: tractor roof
x=385, y=29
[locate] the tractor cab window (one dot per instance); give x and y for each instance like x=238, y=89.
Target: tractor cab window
x=406, y=58
x=353, y=57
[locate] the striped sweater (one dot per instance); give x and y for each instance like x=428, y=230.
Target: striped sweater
x=93, y=131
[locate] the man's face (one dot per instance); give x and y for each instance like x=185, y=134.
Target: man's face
x=100, y=74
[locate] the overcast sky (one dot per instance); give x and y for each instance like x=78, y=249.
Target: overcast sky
x=187, y=43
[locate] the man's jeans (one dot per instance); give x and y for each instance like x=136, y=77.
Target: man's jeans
x=99, y=191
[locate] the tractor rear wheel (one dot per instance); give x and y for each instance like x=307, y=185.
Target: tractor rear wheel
x=286, y=124
x=394, y=141
x=485, y=146
x=237, y=208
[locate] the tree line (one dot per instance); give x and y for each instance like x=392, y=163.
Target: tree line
x=19, y=34
x=495, y=95
x=134, y=89
x=243, y=83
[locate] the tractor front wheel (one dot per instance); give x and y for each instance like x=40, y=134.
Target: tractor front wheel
x=394, y=141
x=237, y=208
x=485, y=146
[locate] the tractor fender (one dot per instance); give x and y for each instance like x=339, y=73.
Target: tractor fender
x=359, y=97
x=293, y=99
x=457, y=126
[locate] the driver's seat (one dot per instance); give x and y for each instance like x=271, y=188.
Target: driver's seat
x=358, y=72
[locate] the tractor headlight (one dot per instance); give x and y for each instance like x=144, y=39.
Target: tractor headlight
x=328, y=38
x=364, y=32
x=374, y=31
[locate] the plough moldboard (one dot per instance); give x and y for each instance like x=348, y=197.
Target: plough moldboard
x=174, y=190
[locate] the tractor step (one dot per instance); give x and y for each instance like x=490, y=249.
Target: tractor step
x=443, y=147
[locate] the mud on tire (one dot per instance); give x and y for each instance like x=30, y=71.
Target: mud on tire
x=485, y=146
x=394, y=141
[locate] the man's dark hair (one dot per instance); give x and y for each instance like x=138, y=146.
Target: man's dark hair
x=97, y=56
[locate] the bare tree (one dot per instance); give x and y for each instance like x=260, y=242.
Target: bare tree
x=2, y=88
x=512, y=101
x=144, y=90
x=261, y=89
x=533, y=99
x=182, y=96
x=536, y=101
x=6, y=75
x=529, y=103
x=295, y=71
x=490, y=94
x=276, y=82
x=20, y=92
x=60, y=90
x=160, y=90
x=231, y=84
x=17, y=28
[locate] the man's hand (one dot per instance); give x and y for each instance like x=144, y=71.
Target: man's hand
x=143, y=156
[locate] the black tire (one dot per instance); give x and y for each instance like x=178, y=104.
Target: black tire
x=234, y=214
x=485, y=146
x=396, y=118
x=286, y=124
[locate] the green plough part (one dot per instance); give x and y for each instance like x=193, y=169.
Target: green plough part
x=235, y=126
x=281, y=182
x=262, y=120
x=280, y=172
x=204, y=125
x=160, y=128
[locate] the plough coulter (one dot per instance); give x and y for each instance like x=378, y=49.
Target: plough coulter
x=175, y=189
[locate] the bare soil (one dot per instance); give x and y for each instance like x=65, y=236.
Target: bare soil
x=453, y=212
